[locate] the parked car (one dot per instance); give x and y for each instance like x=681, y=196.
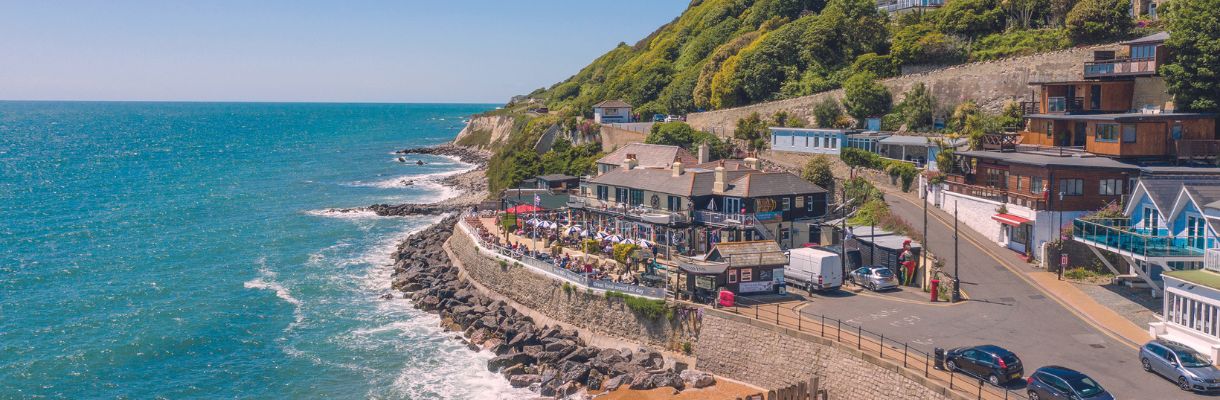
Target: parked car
x=814, y=270
x=1059, y=383
x=658, y=118
x=1191, y=370
x=994, y=363
x=874, y=278
x=674, y=118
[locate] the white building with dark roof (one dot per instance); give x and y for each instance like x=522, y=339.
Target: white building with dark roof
x=612, y=111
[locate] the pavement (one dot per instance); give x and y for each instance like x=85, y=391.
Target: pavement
x=1012, y=304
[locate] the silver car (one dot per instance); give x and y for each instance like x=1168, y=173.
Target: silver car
x=1191, y=370
x=874, y=278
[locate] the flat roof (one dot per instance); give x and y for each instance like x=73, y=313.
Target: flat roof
x=1199, y=277
x=1122, y=117
x=1045, y=160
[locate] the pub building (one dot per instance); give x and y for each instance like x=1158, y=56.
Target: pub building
x=745, y=268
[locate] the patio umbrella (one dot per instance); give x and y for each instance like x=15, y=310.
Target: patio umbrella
x=572, y=229
x=549, y=225
x=628, y=241
x=614, y=238
x=523, y=208
x=643, y=243
x=600, y=235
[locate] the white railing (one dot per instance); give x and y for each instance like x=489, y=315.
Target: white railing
x=1211, y=259
x=555, y=272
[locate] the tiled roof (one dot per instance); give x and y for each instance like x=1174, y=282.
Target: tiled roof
x=690, y=183
x=612, y=104
x=761, y=184
x=1153, y=38
x=649, y=155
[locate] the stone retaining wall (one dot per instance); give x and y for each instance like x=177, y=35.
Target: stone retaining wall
x=578, y=307
x=770, y=356
x=990, y=84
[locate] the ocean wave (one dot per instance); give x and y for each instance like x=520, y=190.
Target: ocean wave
x=346, y=213
x=409, y=180
x=266, y=281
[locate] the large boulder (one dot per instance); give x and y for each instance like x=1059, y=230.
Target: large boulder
x=668, y=378
x=520, y=381
x=498, y=362
x=642, y=380
x=697, y=379
x=613, y=383
x=574, y=371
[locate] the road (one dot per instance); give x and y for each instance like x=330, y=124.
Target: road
x=1003, y=309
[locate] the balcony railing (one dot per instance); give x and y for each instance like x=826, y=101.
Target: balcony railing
x=725, y=219
x=892, y=6
x=1197, y=149
x=1119, y=236
x=1061, y=104
x=1031, y=201
x=639, y=213
x=1120, y=67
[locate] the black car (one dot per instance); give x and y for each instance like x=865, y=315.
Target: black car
x=993, y=363
x=1059, y=383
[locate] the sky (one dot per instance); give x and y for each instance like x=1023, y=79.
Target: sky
x=334, y=51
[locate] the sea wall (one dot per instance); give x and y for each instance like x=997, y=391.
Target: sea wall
x=614, y=137
x=766, y=355
x=583, y=309
x=990, y=84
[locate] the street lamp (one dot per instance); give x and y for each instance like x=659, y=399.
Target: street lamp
x=957, y=280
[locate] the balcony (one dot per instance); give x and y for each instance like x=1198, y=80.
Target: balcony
x=1190, y=150
x=639, y=213
x=1120, y=67
x=1002, y=195
x=1067, y=105
x=1116, y=235
x=899, y=5
x=725, y=219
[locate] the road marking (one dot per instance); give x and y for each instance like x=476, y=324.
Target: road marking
x=1021, y=274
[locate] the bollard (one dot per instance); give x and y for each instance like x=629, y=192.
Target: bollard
x=939, y=355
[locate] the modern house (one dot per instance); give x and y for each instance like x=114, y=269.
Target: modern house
x=694, y=208
x=900, y=6
x=916, y=149
x=648, y=156
x=823, y=141
x=752, y=267
x=1191, y=308
x=612, y=111
x=1121, y=109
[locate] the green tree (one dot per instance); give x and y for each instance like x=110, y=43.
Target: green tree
x=972, y=18
x=818, y=171
x=881, y=66
x=865, y=97
x=1092, y=21
x=827, y=112
x=783, y=118
x=752, y=129
x=917, y=108
x=1194, y=75
x=682, y=135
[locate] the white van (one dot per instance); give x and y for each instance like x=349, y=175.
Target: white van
x=814, y=270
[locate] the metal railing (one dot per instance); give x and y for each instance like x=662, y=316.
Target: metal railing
x=892, y=6
x=1117, y=234
x=1031, y=201
x=910, y=357
x=725, y=219
x=1196, y=149
x=640, y=213
x=1064, y=104
x=1120, y=67
x=553, y=270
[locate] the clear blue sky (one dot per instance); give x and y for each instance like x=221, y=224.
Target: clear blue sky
x=374, y=51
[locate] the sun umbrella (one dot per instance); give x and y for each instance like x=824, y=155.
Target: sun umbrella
x=572, y=229
x=614, y=238
x=628, y=241
x=643, y=243
x=600, y=235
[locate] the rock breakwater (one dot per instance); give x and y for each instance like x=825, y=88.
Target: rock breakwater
x=466, y=155
x=549, y=359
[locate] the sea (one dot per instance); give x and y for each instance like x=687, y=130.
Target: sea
x=188, y=250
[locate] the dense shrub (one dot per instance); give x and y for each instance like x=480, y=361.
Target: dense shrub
x=865, y=97
x=1092, y=21
x=826, y=113
x=1019, y=43
x=1194, y=74
x=682, y=135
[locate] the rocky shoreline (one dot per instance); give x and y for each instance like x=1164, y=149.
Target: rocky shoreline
x=464, y=154
x=550, y=360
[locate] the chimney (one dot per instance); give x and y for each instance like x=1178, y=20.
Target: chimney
x=677, y=169
x=704, y=153
x=630, y=163
x=719, y=186
x=751, y=162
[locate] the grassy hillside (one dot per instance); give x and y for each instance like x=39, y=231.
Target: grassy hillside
x=726, y=53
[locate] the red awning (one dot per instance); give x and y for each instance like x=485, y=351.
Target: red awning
x=524, y=208
x=1009, y=219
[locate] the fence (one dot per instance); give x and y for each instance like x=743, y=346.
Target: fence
x=509, y=255
x=913, y=360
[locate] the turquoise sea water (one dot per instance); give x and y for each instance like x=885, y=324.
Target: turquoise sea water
x=182, y=250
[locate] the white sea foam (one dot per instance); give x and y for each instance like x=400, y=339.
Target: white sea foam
x=346, y=213
x=266, y=281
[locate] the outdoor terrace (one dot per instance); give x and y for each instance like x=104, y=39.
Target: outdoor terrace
x=1120, y=67
x=957, y=184
x=639, y=213
x=1115, y=234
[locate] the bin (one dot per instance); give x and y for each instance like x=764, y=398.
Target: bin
x=934, y=287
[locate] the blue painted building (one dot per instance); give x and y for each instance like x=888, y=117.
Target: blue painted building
x=822, y=141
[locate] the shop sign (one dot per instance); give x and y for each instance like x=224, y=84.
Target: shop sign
x=770, y=216
x=755, y=286
x=705, y=282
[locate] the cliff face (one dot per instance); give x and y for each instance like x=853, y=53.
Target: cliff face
x=484, y=132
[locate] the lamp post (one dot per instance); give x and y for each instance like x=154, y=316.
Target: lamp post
x=1061, y=241
x=927, y=191
x=957, y=279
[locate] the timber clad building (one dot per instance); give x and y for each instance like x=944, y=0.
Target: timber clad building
x=1084, y=145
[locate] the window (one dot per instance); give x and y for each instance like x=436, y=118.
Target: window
x=1050, y=128
x=732, y=276
x=1107, y=132
x=1071, y=187
x=784, y=234
x=674, y=203
x=1143, y=52
x=1129, y=133
x=1019, y=183
x=800, y=202
x=1195, y=231
x=620, y=195
x=1035, y=185
x=808, y=203
x=637, y=197
x=1111, y=187
x=603, y=192
x=1152, y=221
x=787, y=203
x=747, y=274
